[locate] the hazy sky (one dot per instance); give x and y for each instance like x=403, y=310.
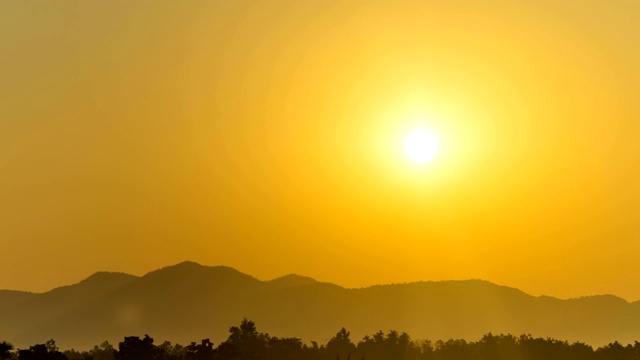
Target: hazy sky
x=267, y=136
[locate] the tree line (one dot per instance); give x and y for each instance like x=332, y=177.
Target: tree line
x=246, y=343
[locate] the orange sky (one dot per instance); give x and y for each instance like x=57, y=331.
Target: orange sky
x=267, y=136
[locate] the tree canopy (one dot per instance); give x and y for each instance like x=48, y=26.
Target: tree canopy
x=245, y=342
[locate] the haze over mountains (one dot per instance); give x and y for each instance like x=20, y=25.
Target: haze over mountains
x=188, y=302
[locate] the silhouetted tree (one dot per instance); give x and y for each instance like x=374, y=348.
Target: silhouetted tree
x=243, y=343
x=340, y=345
x=172, y=352
x=77, y=355
x=104, y=351
x=582, y=351
x=312, y=352
x=285, y=349
x=452, y=349
x=391, y=346
x=424, y=349
x=134, y=348
x=500, y=347
x=48, y=351
x=5, y=350
x=616, y=351
x=202, y=351
x=539, y=348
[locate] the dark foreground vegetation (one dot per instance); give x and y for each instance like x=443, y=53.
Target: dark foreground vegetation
x=245, y=343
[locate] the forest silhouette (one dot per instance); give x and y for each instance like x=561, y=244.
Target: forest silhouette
x=245, y=342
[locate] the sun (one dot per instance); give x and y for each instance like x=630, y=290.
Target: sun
x=421, y=146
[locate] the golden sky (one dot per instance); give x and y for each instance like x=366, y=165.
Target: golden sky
x=267, y=136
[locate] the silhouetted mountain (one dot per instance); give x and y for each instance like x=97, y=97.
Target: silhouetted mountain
x=9, y=298
x=189, y=301
x=292, y=280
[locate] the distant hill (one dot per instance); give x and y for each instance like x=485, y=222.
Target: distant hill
x=188, y=302
x=10, y=298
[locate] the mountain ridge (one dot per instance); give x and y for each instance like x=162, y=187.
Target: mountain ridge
x=193, y=264
x=188, y=301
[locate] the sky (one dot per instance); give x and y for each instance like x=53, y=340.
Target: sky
x=268, y=136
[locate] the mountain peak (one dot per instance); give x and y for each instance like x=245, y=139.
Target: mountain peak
x=108, y=276
x=99, y=282
x=292, y=280
x=189, y=271
x=189, y=264
x=602, y=299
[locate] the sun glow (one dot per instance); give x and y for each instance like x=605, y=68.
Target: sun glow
x=421, y=146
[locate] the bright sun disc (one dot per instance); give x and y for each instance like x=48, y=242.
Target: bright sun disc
x=421, y=146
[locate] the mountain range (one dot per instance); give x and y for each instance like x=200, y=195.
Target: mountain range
x=189, y=302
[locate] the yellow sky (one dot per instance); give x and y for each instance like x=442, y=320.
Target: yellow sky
x=267, y=136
